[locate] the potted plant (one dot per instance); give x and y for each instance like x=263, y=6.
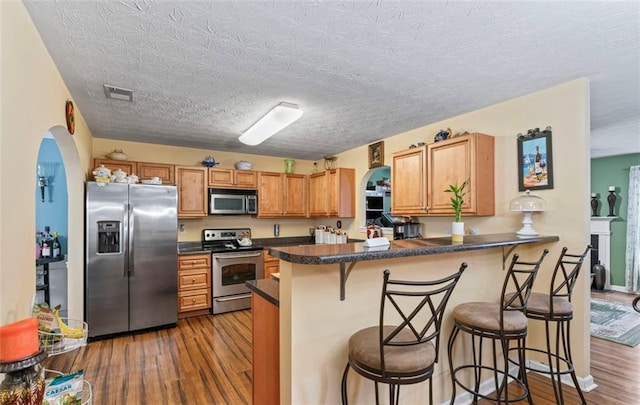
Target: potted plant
x=458, y=191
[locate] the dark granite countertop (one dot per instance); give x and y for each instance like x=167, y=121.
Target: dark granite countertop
x=353, y=252
x=268, y=289
x=193, y=248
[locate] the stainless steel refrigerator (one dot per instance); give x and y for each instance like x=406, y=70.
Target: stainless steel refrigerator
x=131, y=257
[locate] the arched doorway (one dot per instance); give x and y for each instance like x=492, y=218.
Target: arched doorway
x=51, y=220
x=377, y=193
x=71, y=168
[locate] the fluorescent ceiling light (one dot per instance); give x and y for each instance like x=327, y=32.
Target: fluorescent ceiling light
x=275, y=120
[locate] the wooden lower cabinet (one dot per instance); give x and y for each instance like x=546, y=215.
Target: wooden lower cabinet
x=271, y=264
x=194, y=285
x=266, y=351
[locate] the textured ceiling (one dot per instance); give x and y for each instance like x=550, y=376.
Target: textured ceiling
x=203, y=71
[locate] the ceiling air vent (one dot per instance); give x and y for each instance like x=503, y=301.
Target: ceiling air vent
x=118, y=93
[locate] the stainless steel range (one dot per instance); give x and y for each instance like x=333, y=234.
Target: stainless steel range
x=232, y=265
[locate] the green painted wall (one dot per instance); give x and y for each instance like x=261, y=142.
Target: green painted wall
x=614, y=171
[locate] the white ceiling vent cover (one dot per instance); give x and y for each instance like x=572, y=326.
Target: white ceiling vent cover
x=118, y=93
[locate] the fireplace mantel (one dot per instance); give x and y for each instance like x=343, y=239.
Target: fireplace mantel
x=601, y=226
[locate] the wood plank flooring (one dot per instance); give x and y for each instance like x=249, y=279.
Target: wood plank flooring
x=207, y=360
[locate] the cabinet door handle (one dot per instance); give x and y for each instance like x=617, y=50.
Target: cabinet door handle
x=193, y=280
x=193, y=300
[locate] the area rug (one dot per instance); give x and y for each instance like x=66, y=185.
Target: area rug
x=615, y=321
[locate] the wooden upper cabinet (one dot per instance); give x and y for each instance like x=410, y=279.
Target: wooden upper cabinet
x=295, y=195
x=192, y=191
x=409, y=182
x=282, y=195
x=332, y=193
x=126, y=166
x=232, y=178
x=146, y=171
x=270, y=195
x=455, y=160
x=318, y=202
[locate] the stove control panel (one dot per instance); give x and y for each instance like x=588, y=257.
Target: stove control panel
x=211, y=235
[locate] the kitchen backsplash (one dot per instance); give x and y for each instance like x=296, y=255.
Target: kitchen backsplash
x=260, y=228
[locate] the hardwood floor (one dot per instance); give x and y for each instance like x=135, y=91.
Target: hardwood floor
x=207, y=360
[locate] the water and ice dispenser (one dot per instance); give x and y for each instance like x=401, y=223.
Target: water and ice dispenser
x=109, y=237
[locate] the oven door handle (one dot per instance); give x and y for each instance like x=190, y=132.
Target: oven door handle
x=235, y=297
x=226, y=256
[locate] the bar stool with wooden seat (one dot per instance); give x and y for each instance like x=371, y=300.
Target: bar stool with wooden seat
x=556, y=308
x=503, y=323
x=403, y=347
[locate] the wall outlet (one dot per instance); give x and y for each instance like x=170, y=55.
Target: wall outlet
x=447, y=231
x=182, y=228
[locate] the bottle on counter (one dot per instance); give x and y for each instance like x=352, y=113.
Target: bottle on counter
x=38, y=245
x=56, y=246
x=45, y=244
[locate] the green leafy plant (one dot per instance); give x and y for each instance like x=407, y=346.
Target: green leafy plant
x=459, y=191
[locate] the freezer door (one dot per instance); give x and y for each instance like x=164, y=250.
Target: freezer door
x=153, y=243
x=106, y=278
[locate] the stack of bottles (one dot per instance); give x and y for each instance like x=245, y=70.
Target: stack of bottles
x=47, y=245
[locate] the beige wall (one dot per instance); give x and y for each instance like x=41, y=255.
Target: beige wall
x=565, y=108
x=33, y=96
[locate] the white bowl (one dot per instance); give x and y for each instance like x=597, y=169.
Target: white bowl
x=243, y=165
x=117, y=156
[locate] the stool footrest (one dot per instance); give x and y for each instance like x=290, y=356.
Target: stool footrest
x=492, y=395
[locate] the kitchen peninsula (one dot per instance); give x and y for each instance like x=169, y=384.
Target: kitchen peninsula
x=315, y=323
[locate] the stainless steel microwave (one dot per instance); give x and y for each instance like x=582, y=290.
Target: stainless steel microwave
x=232, y=202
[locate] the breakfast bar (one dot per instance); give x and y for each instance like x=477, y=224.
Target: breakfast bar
x=316, y=322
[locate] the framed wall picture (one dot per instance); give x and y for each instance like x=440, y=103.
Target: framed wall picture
x=535, y=161
x=376, y=154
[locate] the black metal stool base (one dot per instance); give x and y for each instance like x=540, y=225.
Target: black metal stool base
x=501, y=377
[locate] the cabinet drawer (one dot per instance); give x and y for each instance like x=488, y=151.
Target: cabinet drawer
x=194, y=300
x=188, y=262
x=194, y=279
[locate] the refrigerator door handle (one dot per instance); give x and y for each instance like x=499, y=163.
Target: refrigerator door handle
x=130, y=244
x=124, y=238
